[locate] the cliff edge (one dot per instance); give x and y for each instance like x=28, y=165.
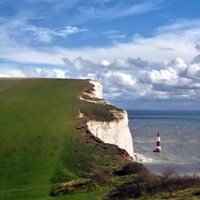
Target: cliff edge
x=113, y=131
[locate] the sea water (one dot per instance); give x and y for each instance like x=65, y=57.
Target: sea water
x=180, y=139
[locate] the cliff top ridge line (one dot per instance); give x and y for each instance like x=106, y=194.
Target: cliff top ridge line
x=103, y=110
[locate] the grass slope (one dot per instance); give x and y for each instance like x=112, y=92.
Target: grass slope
x=39, y=142
x=43, y=144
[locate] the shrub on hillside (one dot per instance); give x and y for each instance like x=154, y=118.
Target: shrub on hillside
x=146, y=184
x=100, y=177
x=133, y=168
x=171, y=182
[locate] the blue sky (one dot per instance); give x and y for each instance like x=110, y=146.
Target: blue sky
x=145, y=53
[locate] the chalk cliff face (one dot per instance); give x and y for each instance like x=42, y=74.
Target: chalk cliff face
x=115, y=131
x=97, y=89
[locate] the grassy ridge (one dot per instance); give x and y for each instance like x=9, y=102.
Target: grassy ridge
x=41, y=140
x=36, y=128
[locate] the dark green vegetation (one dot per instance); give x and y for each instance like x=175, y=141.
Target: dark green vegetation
x=146, y=185
x=46, y=152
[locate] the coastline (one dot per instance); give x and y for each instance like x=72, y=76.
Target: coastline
x=141, y=158
x=180, y=139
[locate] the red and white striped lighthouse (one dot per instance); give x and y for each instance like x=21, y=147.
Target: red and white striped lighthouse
x=158, y=144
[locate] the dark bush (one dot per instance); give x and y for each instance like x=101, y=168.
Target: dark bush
x=147, y=184
x=100, y=177
x=197, y=193
x=125, y=191
x=133, y=168
x=145, y=176
x=172, y=182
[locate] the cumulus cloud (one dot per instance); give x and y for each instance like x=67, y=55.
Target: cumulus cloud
x=172, y=81
x=193, y=72
x=197, y=47
x=82, y=66
x=196, y=59
x=138, y=62
x=127, y=64
x=105, y=62
x=151, y=68
x=44, y=73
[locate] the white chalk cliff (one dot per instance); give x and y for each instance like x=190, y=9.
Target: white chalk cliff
x=115, y=131
x=98, y=88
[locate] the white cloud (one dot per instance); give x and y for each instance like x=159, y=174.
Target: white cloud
x=17, y=48
x=114, y=34
x=44, y=73
x=173, y=81
x=193, y=71
x=120, y=63
x=144, y=68
x=10, y=70
x=158, y=48
x=176, y=75
x=138, y=62
x=4, y=75
x=179, y=26
x=120, y=79
x=46, y=35
x=178, y=64
x=96, y=9
x=29, y=55
x=119, y=10
x=105, y=62
x=196, y=59
x=17, y=32
x=82, y=66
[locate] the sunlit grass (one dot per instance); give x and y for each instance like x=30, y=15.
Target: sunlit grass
x=39, y=142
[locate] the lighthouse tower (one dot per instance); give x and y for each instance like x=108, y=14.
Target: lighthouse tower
x=158, y=144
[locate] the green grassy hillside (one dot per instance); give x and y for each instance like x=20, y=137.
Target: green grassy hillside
x=41, y=140
x=47, y=153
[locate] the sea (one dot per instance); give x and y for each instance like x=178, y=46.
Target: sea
x=180, y=140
